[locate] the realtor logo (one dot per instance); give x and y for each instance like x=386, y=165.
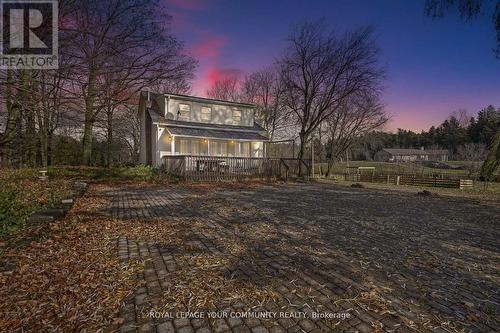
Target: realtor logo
x=29, y=34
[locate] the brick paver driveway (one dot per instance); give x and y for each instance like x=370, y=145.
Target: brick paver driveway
x=384, y=261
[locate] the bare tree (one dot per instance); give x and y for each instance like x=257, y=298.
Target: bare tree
x=356, y=117
x=320, y=71
x=12, y=116
x=265, y=89
x=463, y=117
x=130, y=129
x=52, y=101
x=19, y=140
x=129, y=37
x=226, y=89
x=473, y=154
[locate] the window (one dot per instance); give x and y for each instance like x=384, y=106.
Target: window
x=195, y=147
x=184, y=147
x=237, y=116
x=206, y=113
x=257, y=149
x=218, y=148
x=184, y=112
x=245, y=149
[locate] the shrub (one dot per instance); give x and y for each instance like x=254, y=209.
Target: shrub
x=22, y=194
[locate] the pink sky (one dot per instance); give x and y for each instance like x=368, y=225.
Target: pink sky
x=425, y=84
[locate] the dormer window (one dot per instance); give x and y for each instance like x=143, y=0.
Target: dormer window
x=206, y=114
x=184, y=112
x=237, y=116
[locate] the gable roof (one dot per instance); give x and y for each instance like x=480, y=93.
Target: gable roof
x=199, y=99
x=400, y=151
x=210, y=100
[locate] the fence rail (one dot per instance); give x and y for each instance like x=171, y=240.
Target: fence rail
x=410, y=180
x=215, y=168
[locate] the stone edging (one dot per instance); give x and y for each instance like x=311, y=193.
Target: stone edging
x=51, y=214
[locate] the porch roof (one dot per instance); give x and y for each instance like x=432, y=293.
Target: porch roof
x=215, y=134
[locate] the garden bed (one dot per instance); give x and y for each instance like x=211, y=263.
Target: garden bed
x=22, y=193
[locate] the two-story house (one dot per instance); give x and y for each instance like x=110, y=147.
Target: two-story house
x=174, y=124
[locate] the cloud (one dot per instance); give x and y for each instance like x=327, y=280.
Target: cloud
x=209, y=73
x=216, y=74
x=208, y=48
x=205, y=45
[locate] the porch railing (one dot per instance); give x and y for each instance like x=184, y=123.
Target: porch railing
x=215, y=168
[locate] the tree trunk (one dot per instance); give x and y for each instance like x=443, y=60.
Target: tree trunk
x=302, y=146
x=109, y=149
x=30, y=139
x=87, y=141
x=12, y=125
x=44, y=143
x=330, y=164
x=109, y=143
x=90, y=115
x=28, y=110
x=50, y=149
x=331, y=160
x=320, y=151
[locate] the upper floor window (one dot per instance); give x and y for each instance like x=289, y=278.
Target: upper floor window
x=184, y=112
x=206, y=113
x=237, y=116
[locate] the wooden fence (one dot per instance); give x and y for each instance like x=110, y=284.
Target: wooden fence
x=215, y=168
x=414, y=180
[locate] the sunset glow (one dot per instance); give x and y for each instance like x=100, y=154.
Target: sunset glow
x=434, y=67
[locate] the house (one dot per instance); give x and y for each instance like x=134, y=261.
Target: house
x=411, y=155
x=173, y=124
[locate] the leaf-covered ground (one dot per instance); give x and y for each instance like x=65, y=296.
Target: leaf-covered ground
x=23, y=193
x=395, y=261
x=65, y=276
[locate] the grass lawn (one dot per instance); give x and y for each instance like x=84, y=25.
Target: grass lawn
x=484, y=193
x=393, y=168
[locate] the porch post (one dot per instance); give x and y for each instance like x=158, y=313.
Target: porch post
x=172, y=146
x=239, y=148
x=208, y=147
x=157, y=148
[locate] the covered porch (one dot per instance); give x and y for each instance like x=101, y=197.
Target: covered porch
x=225, y=144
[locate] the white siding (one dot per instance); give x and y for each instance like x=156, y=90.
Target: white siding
x=221, y=114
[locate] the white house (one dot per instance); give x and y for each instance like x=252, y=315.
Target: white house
x=174, y=124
